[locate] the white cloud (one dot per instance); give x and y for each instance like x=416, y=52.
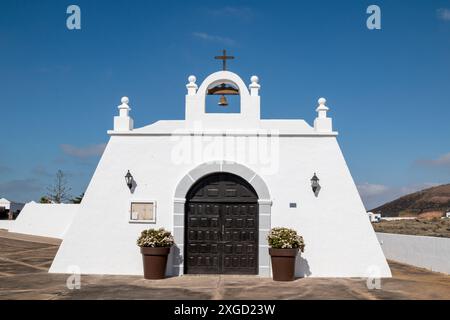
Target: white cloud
x=374, y=195
x=441, y=161
x=244, y=13
x=213, y=38
x=415, y=187
x=83, y=152
x=443, y=14
x=4, y=169
x=21, y=189
x=41, y=171
x=370, y=190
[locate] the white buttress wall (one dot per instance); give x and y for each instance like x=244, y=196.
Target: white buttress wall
x=45, y=220
x=340, y=241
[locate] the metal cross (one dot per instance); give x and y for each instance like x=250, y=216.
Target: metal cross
x=224, y=59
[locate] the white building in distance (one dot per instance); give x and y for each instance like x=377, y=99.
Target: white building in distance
x=374, y=217
x=9, y=208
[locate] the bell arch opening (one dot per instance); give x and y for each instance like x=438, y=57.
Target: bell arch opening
x=222, y=97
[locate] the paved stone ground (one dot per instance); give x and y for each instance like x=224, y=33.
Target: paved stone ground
x=24, y=261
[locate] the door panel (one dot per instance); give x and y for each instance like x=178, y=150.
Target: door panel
x=221, y=226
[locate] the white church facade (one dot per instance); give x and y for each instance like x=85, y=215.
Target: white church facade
x=219, y=182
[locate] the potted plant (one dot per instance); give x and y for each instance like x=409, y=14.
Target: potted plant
x=155, y=247
x=284, y=245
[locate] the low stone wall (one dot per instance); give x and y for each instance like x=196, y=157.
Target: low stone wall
x=6, y=224
x=426, y=252
x=397, y=218
x=45, y=220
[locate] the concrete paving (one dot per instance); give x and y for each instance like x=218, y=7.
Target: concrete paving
x=24, y=262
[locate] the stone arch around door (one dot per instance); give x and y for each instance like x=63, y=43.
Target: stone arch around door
x=264, y=209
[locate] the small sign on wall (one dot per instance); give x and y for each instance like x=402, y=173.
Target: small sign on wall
x=293, y=205
x=143, y=211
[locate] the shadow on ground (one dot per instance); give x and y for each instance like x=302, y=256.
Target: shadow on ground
x=24, y=262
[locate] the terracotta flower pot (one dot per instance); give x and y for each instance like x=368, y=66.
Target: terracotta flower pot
x=155, y=261
x=283, y=263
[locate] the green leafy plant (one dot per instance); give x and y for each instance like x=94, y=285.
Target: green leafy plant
x=284, y=238
x=155, y=238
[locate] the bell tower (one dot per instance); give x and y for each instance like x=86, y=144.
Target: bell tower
x=223, y=83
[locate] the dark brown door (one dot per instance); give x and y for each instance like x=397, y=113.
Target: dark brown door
x=221, y=226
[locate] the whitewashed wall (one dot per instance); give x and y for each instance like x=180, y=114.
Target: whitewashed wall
x=426, y=252
x=46, y=220
x=6, y=224
x=340, y=241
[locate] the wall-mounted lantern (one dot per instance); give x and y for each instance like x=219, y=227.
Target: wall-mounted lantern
x=315, y=184
x=129, y=180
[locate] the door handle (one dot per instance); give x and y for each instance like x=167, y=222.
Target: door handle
x=223, y=235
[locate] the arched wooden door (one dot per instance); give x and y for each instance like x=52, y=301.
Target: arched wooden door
x=221, y=226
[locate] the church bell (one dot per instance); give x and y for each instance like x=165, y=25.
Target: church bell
x=223, y=101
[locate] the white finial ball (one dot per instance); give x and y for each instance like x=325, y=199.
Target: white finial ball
x=322, y=101
x=192, y=79
x=125, y=100
x=254, y=79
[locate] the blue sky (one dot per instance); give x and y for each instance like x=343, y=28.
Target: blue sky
x=388, y=89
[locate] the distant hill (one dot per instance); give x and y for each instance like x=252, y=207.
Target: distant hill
x=435, y=199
